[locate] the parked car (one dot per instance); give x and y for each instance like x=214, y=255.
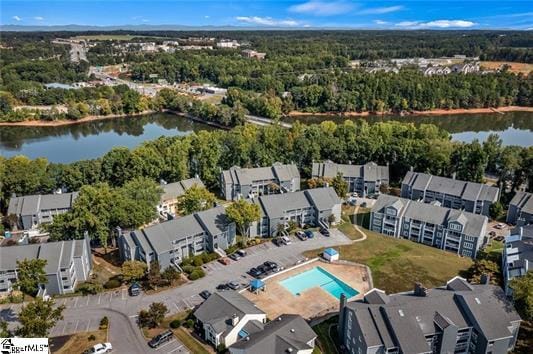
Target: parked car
x=254, y=272
x=205, y=294
x=233, y=285
x=363, y=205
x=324, y=232
x=134, y=289
x=241, y=253
x=161, y=338
x=286, y=240
x=301, y=235
x=492, y=233
x=234, y=256
x=263, y=268
x=99, y=348
x=272, y=266
x=309, y=234
x=222, y=287
x=224, y=260
x=277, y=241
x=499, y=226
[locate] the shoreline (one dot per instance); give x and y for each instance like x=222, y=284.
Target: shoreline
x=435, y=112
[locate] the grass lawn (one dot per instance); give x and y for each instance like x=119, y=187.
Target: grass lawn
x=397, y=264
x=350, y=231
x=325, y=342
x=77, y=343
x=186, y=338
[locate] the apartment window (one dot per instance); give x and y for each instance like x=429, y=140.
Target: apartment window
x=391, y=211
x=456, y=227
x=468, y=245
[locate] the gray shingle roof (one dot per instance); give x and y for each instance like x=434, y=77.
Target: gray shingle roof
x=246, y=176
x=32, y=204
x=450, y=186
x=370, y=171
x=410, y=318
x=177, y=189
x=214, y=220
x=473, y=223
x=282, y=335
x=220, y=307
x=524, y=201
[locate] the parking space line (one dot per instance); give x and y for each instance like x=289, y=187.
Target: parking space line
x=99, y=298
x=186, y=303
x=76, y=328
x=167, y=343
x=76, y=301
x=64, y=328
x=177, y=348
x=123, y=294
x=88, y=324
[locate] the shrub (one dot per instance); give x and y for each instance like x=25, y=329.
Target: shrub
x=197, y=274
x=112, y=284
x=198, y=261
x=89, y=288
x=170, y=274
x=175, y=324
x=188, y=269
x=91, y=337
x=104, y=322
x=189, y=323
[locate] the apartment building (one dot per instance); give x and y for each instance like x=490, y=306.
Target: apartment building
x=68, y=263
x=240, y=182
x=172, y=191
x=433, y=225
x=456, y=318
x=364, y=179
x=450, y=193
x=517, y=258
x=520, y=210
x=34, y=210
x=310, y=207
x=171, y=241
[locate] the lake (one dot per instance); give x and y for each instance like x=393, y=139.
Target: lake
x=93, y=139
x=514, y=128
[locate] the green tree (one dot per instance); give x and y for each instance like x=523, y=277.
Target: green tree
x=31, y=274
x=4, y=331
x=38, y=317
x=496, y=210
x=523, y=295
x=153, y=317
x=243, y=213
x=339, y=184
x=133, y=270
x=196, y=198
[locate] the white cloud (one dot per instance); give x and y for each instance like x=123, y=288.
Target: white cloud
x=381, y=10
x=206, y=16
x=436, y=24
x=145, y=20
x=322, y=8
x=380, y=22
x=38, y=18
x=267, y=21
x=16, y=18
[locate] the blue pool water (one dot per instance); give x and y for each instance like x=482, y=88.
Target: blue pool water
x=318, y=277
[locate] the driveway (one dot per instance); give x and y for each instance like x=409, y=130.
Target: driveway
x=83, y=313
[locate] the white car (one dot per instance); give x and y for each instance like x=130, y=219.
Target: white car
x=286, y=240
x=499, y=226
x=100, y=348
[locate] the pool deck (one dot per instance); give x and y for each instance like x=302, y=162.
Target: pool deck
x=311, y=303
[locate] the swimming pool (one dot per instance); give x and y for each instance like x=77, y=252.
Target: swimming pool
x=318, y=277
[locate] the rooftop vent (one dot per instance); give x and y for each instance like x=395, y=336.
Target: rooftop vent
x=478, y=301
x=292, y=330
x=401, y=312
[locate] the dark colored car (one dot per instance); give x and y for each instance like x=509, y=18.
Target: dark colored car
x=234, y=256
x=254, y=272
x=161, y=338
x=222, y=287
x=272, y=266
x=309, y=234
x=205, y=294
x=233, y=285
x=134, y=289
x=278, y=242
x=263, y=268
x=241, y=253
x=324, y=232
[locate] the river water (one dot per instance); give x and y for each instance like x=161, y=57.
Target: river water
x=93, y=139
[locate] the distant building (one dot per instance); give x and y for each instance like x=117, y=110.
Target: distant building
x=466, y=68
x=436, y=70
x=310, y=207
x=240, y=182
x=248, y=53
x=68, y=263
x=363, y=179
x=520, y=210
x=449, y=192
x=172, y=191
x=227, y=317
x=34, y=210
x=171, y=241
x=226, y=43
x=448, y=229
x=517, y=259
x=456, y=318
x=285, y=334
x=57, y=85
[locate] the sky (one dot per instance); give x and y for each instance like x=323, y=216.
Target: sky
x=407, y=14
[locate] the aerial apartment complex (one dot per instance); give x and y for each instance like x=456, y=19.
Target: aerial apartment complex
x=171, y=241
x=67, y=264
x=520, y=210
x=433, y=225
x=34, y=210
x=456, y=318
x=517, y=258
x=172, y=191
x=316, y=207
x=451, y=193
x=363, y=179
x=240, y=182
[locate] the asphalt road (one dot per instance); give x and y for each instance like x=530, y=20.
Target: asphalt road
x=83, y=313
